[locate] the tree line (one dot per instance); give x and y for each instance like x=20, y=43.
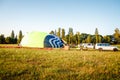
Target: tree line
x=70, y=38
x=12, y=39
x=77, y=38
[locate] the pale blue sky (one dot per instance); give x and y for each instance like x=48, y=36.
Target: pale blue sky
x=46, y=15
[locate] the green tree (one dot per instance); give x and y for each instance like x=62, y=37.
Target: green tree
x=63, y=33
x=106, y=39
x=12, y=37
x=83, y=37
x=117, y=35
x=70, y=33
x=59, y=32
x=93, y=39
x=67, y=39
x=52, y=32
x=74, y=40
x=78, y=37
x=96, y=31
x=96, y=35
x=2, y=39
x=8, y=40
x=15, y=40
x=100, y=39
x=12, y=34
x=88, y=40
x=20, y=36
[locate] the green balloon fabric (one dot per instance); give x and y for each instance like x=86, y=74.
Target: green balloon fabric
x=34, y=39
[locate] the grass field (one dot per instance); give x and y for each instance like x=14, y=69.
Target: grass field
x=58, y=64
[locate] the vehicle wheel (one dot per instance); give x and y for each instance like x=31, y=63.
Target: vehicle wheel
x=115, y=49
x=100, y=49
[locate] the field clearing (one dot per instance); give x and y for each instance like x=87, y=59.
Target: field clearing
x=8, y=44
x=57, y=64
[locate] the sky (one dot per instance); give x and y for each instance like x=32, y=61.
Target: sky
x=46, y=15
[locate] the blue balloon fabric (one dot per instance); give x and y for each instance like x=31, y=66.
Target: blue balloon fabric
x=52, y=41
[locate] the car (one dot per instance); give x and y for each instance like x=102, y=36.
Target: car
x=88, y=45
x=105, y=46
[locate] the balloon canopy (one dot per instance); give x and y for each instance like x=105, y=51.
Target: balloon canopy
x=41, y=40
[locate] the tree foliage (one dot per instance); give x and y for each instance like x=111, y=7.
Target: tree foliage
x=88, y=40
x=59, y=32
x=96, y=31
x=78, y=38
x=12, y=39
x=52, y=32
x=8, y=40
x=63, y=34
x=2, y=39
x=96, y=35
x=12, y=34
x=117, y=35
x=70, y=38
x=20, y=36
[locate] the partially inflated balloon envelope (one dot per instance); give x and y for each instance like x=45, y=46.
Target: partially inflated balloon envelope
x=41, y=40
x=53, y=41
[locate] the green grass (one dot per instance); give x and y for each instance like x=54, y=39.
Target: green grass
x=37, y=64
x=117, y=46
x=8, y=45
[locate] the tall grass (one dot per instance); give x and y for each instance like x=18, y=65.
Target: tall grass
x=31, y=64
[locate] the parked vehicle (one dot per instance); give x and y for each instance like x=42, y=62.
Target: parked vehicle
x=87, y=45
x=105, y=46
